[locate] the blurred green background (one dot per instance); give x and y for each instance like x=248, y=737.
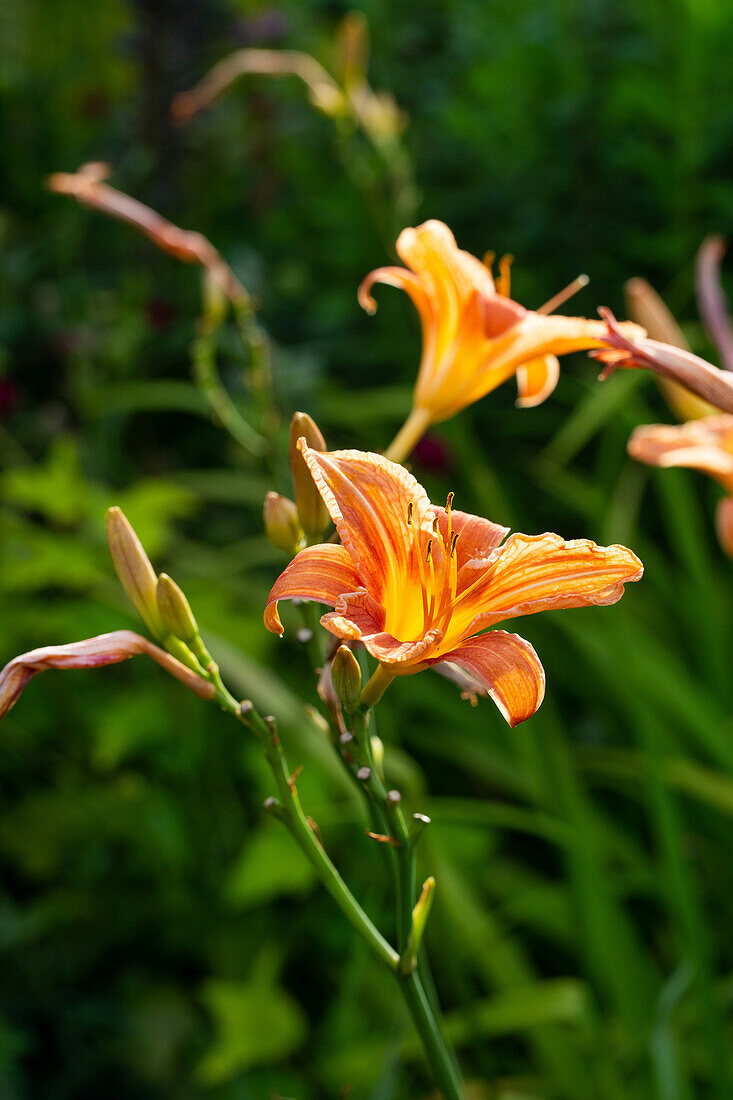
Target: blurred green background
x=157, y=937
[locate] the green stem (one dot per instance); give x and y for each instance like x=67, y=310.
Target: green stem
x=409, y=435
x=206, y=376
x=425, y=1014
x=291, y=814
x=446, y=1076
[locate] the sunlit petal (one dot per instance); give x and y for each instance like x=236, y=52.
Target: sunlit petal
x=321, y=573
x=508, y=669
x=543, y=573
x=537, y=379
x=358, y=617
x=368, y=498
x=705, y=444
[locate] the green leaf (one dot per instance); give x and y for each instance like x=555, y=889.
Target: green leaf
x=255, y=1024
x=270, y=866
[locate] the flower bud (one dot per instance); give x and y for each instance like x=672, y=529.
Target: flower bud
x=346, y=678
x=312, y=511
x=378, y=755
x=420, y=915
x=175, y=609
x=134, y=570
x=282, y=525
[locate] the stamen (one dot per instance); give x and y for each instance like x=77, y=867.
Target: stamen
x=562, y=295
x=504, y=281
x=410, y=510
x=488, y=260
x=449, y=501
x=429, y=560
x=453, y=542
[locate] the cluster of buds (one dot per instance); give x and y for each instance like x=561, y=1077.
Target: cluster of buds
x=158, y=600
x=292, y=524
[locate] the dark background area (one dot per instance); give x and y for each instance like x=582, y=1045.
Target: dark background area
x=158, y=938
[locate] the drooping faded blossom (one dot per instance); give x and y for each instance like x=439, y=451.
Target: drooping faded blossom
x=705, y=445
x=474, y=335
x=418, y=583
x=105, y=649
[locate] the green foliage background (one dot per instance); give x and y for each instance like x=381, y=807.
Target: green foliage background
x=158, y=939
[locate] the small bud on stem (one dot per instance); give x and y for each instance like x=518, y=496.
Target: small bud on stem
x=175, y=609
x=134, y=570
x=346, y=678
x=420, y=915
x=282, y=525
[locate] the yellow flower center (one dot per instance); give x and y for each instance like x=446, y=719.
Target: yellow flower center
x=425, y=598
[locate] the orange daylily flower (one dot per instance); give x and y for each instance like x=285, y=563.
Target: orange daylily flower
x=416, y=584
x=474, y=335
x=705, y=445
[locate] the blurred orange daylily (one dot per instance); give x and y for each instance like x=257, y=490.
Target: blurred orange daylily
x=417, y=583
x=474, y=335
x=705, y=445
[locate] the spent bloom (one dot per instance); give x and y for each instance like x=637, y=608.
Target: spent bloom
x=105, y=649
x=416, y=583
x=474, y=335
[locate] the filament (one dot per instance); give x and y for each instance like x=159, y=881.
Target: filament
x=562, y=295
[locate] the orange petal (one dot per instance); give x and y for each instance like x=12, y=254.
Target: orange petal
x=321, y=573
x=507, y=668
x=358, y=617
x=543, y=573
x=705, y=444
x=724, y=524
x=400, y=278
x=450, y=276
x=430, y=250
x=105, y=649
x=368, y=498
x=477, y=537
x=537, y=379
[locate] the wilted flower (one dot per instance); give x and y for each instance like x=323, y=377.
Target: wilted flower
x=624, y=350
x=417, y=583
x=88, y=188
x=705, y=445
x=644, y=306
x=474, y=335
x=105, y=649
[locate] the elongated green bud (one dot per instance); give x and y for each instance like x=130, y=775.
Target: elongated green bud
x=312, y=511
x=134, y=570
x=282, y=525
x=175, y=609
x=420, y=915
x=346, y=678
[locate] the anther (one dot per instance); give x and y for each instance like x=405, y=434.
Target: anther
x=453, y=542
x=429, y=550
x=410, y=510
x=449, y=502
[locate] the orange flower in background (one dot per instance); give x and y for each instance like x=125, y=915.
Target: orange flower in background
x=418, y=583
x=705, y=445
x=474, y=335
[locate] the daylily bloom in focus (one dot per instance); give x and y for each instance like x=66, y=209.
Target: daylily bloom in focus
x=416, y=584
x=474, y=335
x=705, y=445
